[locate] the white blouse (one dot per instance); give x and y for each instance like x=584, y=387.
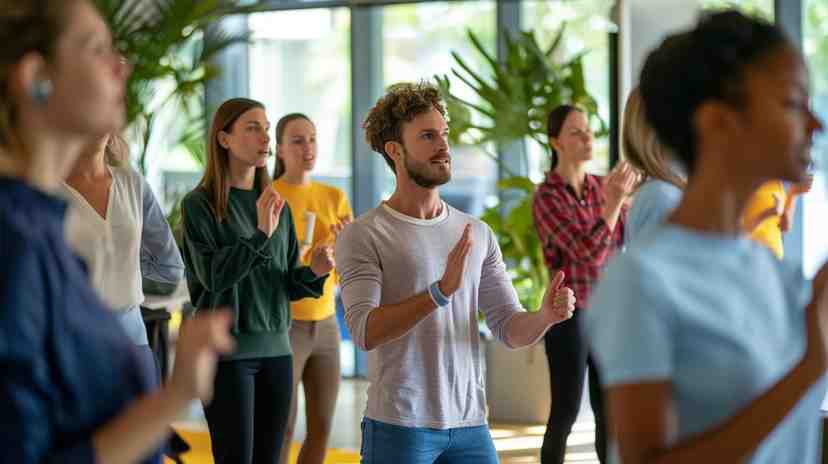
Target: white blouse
x=111, y=245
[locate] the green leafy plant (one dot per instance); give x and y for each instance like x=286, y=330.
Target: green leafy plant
x=519, y=243
x=170, y=48
x=516, y=94
x=192, y=140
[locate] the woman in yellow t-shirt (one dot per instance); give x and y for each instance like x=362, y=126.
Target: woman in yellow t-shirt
x=769, y=213
x=319, y=213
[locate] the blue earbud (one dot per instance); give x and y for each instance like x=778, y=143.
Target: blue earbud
x=41, y=91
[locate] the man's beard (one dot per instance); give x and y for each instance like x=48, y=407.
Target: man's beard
x=423, y=174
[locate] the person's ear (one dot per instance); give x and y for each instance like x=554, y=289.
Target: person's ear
x=555, y=144
x=30, y=81
x=223, y=140
x=394, y=150
x=717, y=121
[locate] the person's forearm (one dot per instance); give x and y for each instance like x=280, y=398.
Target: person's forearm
x=140, y=429
x=737, y=438
x=390, y=322
x=219, y=269
x=526, y=329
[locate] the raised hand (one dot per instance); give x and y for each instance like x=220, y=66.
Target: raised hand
x=803, y=187
x=268, y=208
x=558, y=302
x=200, y=342
x=322, y=260
x=456, y=264
x=620, y=182
x=340, y=226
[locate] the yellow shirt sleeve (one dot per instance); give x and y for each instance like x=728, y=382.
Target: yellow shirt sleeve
x=768, y=232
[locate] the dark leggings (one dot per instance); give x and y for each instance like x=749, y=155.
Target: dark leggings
x=248, y=415
x=568, y=358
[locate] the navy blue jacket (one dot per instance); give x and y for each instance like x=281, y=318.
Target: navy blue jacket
x=66, y=365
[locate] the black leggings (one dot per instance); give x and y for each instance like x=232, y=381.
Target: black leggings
x=248, y=415
x=568, y=358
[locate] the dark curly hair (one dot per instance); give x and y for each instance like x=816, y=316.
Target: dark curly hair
x=705, y=63
x=402, y=103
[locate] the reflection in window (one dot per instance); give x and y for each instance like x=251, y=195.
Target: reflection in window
x=418, y=40
x=815, y=46
x=300, y=62
x=587, y=29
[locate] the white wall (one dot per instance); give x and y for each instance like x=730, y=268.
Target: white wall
x=643, y=24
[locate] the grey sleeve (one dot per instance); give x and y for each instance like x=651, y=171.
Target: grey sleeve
x=360, y=280
x=496, y=296
x=160, y=258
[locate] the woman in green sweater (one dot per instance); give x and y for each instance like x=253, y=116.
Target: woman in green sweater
x=241, y=252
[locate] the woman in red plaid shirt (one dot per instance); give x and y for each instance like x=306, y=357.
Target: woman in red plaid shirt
x=580, y=223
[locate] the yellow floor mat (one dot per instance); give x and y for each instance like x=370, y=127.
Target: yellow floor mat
x=200, y=452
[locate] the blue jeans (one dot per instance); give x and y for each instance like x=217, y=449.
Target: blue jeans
x=385, y=443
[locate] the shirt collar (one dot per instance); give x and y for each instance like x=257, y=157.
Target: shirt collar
x=553, y=179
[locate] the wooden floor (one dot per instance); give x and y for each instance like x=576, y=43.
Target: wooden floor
x=516, y=444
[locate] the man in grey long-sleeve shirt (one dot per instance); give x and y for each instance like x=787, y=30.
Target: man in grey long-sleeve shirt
x=414, y=272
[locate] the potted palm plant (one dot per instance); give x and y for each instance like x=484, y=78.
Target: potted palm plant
x=516, y=94
x=171, y=49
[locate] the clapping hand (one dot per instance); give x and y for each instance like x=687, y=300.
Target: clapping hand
x=268, y=209
x=456, y=264
x=801, y=188
x=200, y=342
x=322, y=260
x=620, y=182
x=340, y=226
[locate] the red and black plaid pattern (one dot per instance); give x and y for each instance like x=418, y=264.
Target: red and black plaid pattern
x=574, y=236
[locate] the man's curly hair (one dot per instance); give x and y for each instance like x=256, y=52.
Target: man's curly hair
x=402, y=103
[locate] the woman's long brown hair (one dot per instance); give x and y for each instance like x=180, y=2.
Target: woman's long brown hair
x=279, y=167
x=216, y=180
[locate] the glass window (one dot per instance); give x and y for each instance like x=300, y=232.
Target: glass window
x=761, y=7
x=300, y=62
x=418, y=40
x=587, y=29
x=815, y=46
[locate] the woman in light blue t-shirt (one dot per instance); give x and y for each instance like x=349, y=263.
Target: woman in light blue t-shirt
x=660, y=190
x=710, y=349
